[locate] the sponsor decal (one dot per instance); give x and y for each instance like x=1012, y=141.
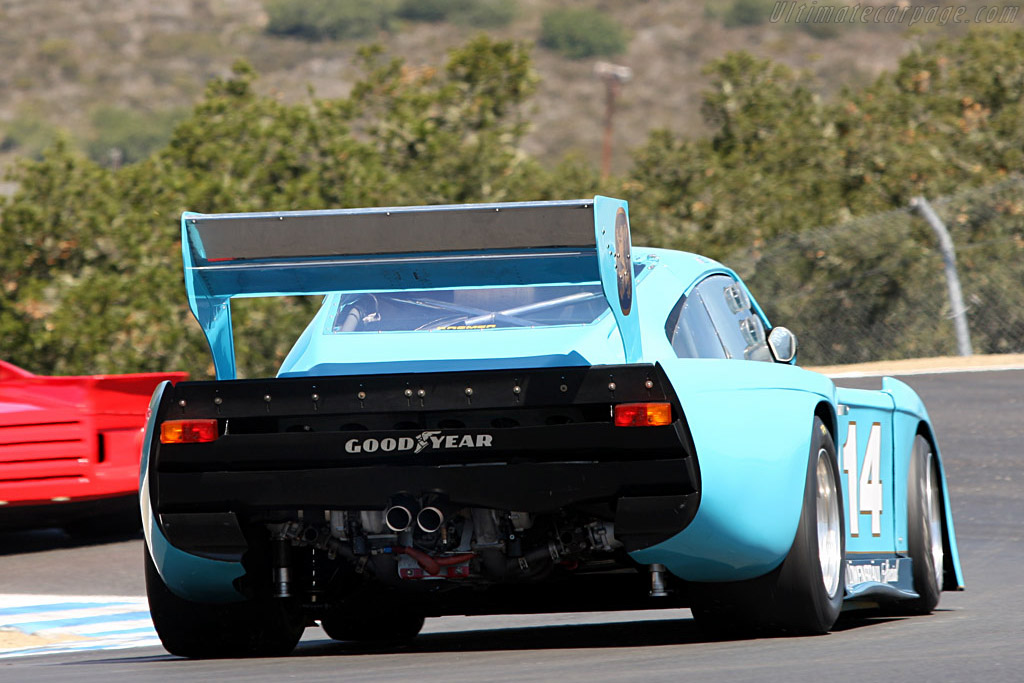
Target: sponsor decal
x=435, y=439
x=887, y=571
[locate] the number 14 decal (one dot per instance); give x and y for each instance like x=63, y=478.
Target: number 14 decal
x=868, y=488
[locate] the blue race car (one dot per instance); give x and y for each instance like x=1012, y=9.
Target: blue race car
x=506, y=408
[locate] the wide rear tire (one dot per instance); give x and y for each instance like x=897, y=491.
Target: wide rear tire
x=807, y=594
x=803, y=595
x=267, y=628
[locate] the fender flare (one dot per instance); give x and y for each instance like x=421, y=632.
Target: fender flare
x=752, y=477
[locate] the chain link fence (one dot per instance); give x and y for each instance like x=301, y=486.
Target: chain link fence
x=874, y=288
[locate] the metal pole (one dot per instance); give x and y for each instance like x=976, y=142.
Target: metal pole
x=612, y=87
x=956, y=297
x=613, y=75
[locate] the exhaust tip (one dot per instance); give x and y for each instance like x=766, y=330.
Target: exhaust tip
x=430, y=519
x=398, y=518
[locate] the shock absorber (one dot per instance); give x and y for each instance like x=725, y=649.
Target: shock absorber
x=658, y=589
x=281, y=551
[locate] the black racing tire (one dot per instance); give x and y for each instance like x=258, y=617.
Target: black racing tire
x=265, y=628
x=372, y=621
x=803, y=595
x=925, y=538
x=808, y=589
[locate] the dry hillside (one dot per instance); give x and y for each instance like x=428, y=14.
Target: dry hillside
x=65, y=59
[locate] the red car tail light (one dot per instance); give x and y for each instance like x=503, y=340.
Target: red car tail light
x=188, y=431
x=643, y=414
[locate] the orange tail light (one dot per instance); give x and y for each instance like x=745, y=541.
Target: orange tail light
x=188, y=431
x=643, y=414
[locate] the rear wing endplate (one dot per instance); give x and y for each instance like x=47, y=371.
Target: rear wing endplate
x=405, y=248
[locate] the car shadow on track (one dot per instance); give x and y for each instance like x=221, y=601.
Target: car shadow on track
x=624, y=634
x=41, y=540
x=627, y=634
x=683, y=631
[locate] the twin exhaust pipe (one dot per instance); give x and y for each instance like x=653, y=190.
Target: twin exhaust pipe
x=400, y=518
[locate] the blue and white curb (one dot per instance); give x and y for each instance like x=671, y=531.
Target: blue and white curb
x=51, y=624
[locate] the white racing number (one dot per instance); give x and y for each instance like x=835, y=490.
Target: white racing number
x=865, y=491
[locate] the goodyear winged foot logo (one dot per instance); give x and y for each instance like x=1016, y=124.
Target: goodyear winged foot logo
x=423, y=440
x=434, y=439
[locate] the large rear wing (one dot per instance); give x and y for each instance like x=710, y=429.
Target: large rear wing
x=404, y=248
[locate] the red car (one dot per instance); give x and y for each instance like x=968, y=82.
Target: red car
x=70, y=446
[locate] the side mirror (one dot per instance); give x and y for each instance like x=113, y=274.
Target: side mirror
x=782, y=342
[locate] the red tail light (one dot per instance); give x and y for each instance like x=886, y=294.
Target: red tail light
x=643, y=414
x=188, y=431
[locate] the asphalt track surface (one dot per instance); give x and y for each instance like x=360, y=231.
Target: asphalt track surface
x=973, y=636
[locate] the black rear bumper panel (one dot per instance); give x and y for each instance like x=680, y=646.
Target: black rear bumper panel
x=330, y=444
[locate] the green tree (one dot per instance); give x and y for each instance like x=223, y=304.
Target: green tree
x=948, y=117
x=780, y=160
x=768, y=168
x=580, y=33
x=123, y=136
x=328, y=19
x=780, y=164
x=747, y=13
x=84, y=274
x=487, y=13
x=91, y=258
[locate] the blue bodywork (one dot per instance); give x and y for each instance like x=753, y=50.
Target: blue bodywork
x=750, y=421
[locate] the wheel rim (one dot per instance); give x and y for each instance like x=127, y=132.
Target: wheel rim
x=933, y=519
x=829, y=528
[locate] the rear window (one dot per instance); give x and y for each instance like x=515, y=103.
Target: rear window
x=461, y=309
